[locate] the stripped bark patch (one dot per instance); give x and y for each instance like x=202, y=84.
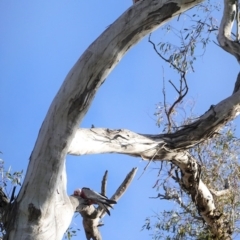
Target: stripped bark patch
x=33, y=213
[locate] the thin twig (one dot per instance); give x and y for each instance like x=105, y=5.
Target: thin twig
x=160, y=55
x=174, y=86
x=159, y=172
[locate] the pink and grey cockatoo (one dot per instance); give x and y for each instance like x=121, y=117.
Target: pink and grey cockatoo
x=92, y=197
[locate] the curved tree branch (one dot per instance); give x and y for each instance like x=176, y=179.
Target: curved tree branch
x=147, y=146
x=45, y=181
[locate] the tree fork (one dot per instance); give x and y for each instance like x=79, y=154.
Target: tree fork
x=43, y=194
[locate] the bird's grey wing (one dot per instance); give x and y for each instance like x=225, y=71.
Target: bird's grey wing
x=98, y=198
x=91, y=193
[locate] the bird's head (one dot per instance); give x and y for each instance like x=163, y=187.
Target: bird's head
x=77, y=192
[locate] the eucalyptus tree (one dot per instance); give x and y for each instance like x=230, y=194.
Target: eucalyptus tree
x=42, y=209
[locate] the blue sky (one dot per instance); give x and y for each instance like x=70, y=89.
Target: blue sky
x=39, y=43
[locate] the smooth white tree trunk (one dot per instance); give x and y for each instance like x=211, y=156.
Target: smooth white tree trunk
x=43, y=210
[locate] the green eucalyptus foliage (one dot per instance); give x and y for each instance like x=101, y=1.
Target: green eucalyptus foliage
x=219, y=159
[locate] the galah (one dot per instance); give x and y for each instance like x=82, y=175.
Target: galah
x=92, y=197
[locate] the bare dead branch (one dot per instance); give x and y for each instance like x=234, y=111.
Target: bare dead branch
x=123, y=187
x=104, y=184
x=92, y=216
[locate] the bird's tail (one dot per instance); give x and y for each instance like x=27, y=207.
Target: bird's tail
x=105, y=203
